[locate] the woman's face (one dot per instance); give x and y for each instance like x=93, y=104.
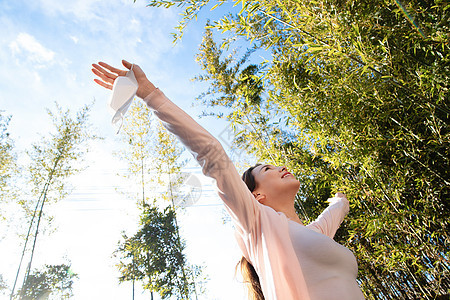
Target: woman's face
x=273, y=181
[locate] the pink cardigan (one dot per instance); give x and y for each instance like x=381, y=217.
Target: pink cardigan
x=261, y=232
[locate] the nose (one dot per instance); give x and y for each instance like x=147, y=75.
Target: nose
x=282, y=168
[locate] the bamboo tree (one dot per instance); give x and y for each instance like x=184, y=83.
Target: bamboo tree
x=8, y=164
x=169, y=171
x=155, y=256
x=52, y=162
x=354, y=96
x=3, y=285
x=138, y=136
x=51, y=282
x=153, y=158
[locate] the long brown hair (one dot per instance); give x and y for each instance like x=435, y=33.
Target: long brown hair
x=251, y=278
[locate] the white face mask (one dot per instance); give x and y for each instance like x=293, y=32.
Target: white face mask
x=123, y=92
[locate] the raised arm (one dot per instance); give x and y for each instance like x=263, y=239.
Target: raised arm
x=205, y=148
x=331, y=218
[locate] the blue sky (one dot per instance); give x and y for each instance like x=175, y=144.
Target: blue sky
x=46, y=51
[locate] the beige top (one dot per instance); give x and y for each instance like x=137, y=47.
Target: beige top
x=329, y=268
x=267, y=238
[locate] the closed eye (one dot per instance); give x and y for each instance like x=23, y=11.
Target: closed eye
x=264, y=168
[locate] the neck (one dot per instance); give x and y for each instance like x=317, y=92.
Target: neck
x=291, y=214
x=286, y=206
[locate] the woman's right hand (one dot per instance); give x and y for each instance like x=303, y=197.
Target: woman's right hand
x=108, y=75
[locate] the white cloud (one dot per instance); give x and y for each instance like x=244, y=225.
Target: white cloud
x=81, y=9
x=31, y=49
x=74, y=39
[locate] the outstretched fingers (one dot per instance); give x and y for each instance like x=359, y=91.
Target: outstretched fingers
x=107, y=74
x=119, y=72
x=103, y=84
x=107, y=79
x=106, y=71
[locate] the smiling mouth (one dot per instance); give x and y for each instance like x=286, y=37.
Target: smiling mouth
x=286, y=174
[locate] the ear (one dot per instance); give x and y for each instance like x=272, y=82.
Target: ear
x=259, y=197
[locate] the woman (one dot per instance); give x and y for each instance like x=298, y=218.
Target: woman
x=292, y=261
